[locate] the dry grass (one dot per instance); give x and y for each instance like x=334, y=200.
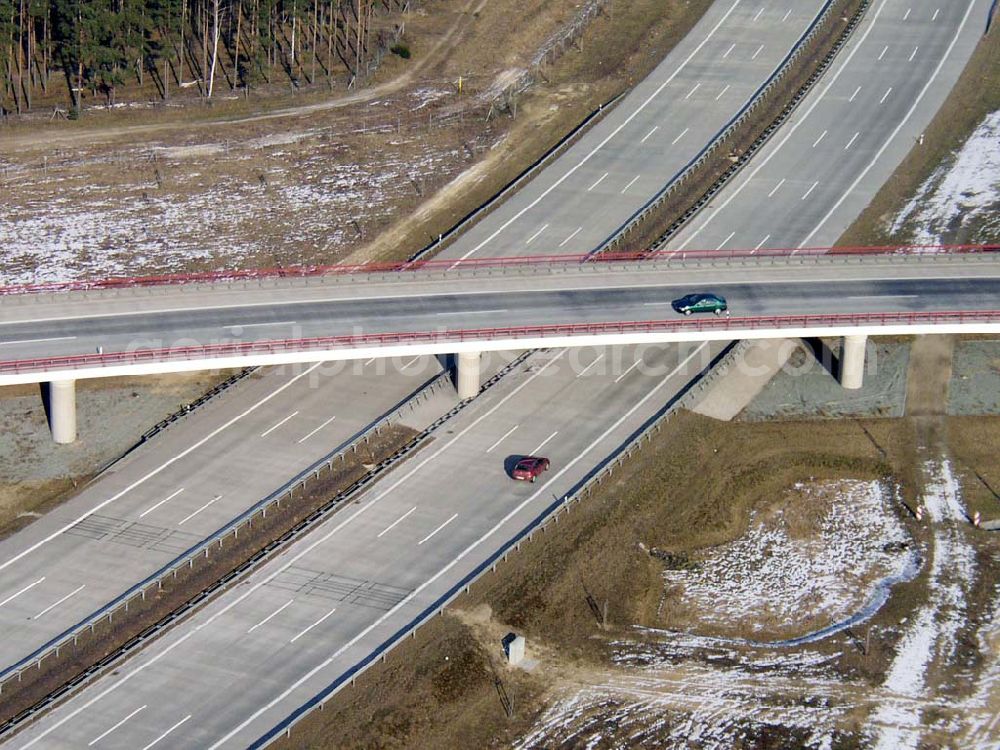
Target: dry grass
x=691, y=489
x=976, y=94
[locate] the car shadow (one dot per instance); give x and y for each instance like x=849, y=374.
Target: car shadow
x=510, y=462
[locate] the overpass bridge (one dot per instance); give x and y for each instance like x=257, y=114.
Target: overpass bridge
x=464, y=308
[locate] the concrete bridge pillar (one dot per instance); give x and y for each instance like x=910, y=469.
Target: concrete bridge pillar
x=852, y=362
x=62, y=410
x=468, y=374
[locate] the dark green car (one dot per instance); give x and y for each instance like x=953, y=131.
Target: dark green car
x=697, y=303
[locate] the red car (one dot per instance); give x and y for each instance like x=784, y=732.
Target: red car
x=529, y=467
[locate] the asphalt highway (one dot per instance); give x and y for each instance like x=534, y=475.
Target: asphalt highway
x=303, y=620
x=846, y=138
x=272, y=637
x=582, y=198
x=160, y=501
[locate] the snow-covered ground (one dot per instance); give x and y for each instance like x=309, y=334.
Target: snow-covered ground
x=930, y=635
x=962, y=192
x=778, y=581
x=276, y=199
x=669, y=689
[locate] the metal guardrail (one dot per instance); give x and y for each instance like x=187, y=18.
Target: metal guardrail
x=765, y=136
x=233, y=528
x=364, y=271
x=641, y=214
x=689, y=396
x=501, y=333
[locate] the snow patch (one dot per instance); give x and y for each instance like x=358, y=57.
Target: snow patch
x=957, y=192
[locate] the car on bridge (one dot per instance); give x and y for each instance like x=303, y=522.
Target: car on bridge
x=701, y=302
x=529, y=468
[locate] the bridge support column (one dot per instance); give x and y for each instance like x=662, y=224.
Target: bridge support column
x=62, y=410
x=852, y=362
x=467, y=377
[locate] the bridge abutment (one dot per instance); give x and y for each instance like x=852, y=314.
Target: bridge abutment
x=852, y=362
x=468, y=374
x=62, y=410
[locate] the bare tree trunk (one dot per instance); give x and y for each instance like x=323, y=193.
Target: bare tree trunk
x=215, y=45
x=236, y=55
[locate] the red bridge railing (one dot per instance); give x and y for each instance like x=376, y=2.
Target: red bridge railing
x=473, y=263
x=354, y=341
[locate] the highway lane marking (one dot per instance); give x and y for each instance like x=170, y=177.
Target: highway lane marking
x=192, y=515
x=417, y=591
x=599, y=181
x=696, y=87
x=659, y=89
x=899, y=127
x=631, y=367
x=578, y=230
x=807, y=192
x=884, y=296
x=392, y=525
x=155, y=471
x=776, y=187
x=296, y=557
x=154, y=507
x=320, y=620
x=934, y=17
x=884, y=50
x=101, y=736
x=472, y=312
x=303, y=439
x=411, y=363
x=818, y=140
x=885, y=95
x=271, y=429
x=761, y=243
x=851, y=99
x=544, y=443
x=630, y=184
x=274, y=614
x=759, y=50
x=586, y=369
x=683, y=133
x=791, y=132
x=164, y=735
x=731, y=48
x=55, y=604
x=258, y=325
x=721, y=93
x=655, y=128
x=853, y=139
x=505, y=436
x=723, y=243
x=533, y=237
x=757, y=16
x=369, y=361
x=787, y=14
x=437, y=529
x=914, y=53
x=38, y=341
x=907, y=14
x=14, y=596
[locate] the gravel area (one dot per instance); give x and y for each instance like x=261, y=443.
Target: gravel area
x=975, y=379
x=27, y=451
x=806, y=388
